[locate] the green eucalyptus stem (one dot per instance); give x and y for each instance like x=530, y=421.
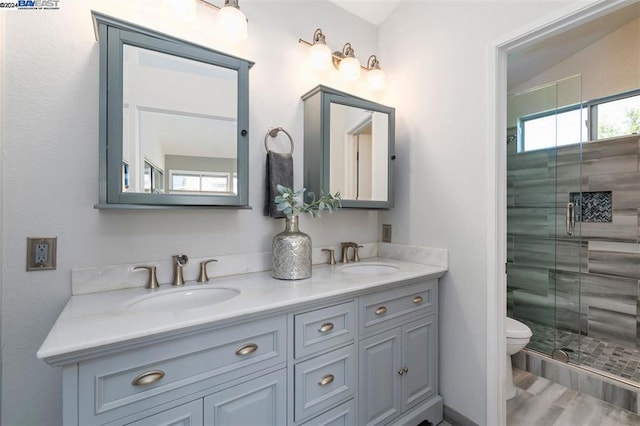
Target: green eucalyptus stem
x=291, y=202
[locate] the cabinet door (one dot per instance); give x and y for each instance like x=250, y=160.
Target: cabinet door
x=189, y=414
x=380, y=363
x=262, y=401
x=419, y=357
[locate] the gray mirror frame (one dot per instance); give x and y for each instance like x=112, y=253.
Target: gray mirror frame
x=112, y=34
x=317, y=147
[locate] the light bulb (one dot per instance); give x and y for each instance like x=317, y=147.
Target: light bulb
x=232, y=24
x=376, y=79
x=320, y=56
x=349, y=68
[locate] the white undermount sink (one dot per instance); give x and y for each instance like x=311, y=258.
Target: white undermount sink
x=370, y=269
x=181, y=299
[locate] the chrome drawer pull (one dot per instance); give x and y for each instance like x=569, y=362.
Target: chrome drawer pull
x=418, y=300
x=148, y=378
x=247, y=349
x=381, y=310
x=326, y=327
x=326, y=380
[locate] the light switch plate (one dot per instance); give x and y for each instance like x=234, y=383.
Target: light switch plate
x=41, y=253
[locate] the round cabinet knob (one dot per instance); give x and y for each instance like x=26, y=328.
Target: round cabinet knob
x=148, y=378
x=401, y=371
x=244, y=133
x=381, y=310
x=247, y=349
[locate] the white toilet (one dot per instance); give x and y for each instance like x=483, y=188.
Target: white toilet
x=518, y=335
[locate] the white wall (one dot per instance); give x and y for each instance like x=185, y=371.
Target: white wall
x=51, y=160
x=436, y=54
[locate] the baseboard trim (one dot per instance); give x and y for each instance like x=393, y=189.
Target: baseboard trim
x=457, y=419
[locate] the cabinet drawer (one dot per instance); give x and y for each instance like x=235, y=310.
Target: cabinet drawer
x=391, y=307
x=171, y=369
x=324, y=328
x=324, y=381
x=342, y=415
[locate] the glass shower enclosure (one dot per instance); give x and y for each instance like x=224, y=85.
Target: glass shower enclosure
x=545, y=251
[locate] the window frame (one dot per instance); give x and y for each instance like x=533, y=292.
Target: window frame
x=199, y=173
x=535, y=116
x=591, y=108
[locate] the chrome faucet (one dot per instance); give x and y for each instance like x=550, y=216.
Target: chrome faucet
x=179, y=260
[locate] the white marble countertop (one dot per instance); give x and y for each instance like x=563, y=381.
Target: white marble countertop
x=99, y=320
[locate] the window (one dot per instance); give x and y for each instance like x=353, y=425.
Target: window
x=153, y=178
x=195, y=181
x=616, y=116
x=613, y=116
x=553, y=128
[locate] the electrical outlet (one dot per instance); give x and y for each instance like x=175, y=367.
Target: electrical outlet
x=41, y=253
x=386, y=233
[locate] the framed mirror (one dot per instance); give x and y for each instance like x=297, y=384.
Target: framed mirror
x=173, y=122
x=349, y=147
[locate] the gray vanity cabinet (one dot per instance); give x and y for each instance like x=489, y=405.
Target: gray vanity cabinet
x=324, y=363
x=398, y=365
x=240, y=365
x=367, y=357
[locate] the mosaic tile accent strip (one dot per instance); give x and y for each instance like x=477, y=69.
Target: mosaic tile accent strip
x=592, y=206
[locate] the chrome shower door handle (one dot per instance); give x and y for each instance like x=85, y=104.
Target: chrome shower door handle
x=570, y=225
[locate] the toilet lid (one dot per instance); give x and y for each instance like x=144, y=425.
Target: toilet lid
x=517, y=329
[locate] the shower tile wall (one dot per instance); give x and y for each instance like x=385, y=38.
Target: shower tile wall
x=543, y=272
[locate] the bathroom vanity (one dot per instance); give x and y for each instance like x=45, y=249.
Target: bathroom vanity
x=345, y=347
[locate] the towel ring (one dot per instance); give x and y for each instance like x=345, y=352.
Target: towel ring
x=273, y=132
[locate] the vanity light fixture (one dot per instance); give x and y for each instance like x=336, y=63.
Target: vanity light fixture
x=320, y=53
x=376, y=78
x=232, y=23
x=347, y=63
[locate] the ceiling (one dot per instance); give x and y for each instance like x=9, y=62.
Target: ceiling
x=373, y=11
x=530, y=61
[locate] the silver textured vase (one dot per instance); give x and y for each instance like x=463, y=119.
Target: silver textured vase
x=291, y=253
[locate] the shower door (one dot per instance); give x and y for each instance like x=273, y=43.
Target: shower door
x=544, y=180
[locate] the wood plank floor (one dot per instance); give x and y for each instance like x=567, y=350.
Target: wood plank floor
x=541, y=402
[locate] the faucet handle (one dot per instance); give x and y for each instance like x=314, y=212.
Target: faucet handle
x=356, y=256
x=153, y=280
x=203, y=278
x=332, y=257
